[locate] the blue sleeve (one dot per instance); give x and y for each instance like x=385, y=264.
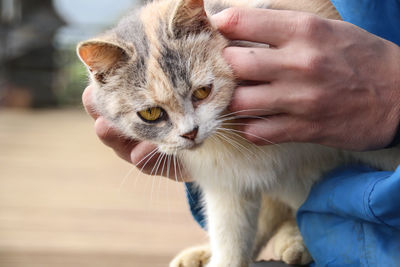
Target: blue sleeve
x=193, y=195
x=380, y=17
x=352, y=218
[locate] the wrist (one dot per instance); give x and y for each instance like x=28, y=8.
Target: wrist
x=395, y=140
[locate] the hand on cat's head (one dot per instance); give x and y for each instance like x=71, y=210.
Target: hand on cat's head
x=325, y=81
x=132, y=151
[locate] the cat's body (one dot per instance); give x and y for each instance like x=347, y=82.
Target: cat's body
x=241, y=181
x=145, y=74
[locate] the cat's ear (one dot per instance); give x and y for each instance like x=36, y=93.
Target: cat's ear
x=101, y=56
x=188, y=16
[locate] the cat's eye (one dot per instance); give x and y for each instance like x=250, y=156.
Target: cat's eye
x=151, y=115
x=202, y=93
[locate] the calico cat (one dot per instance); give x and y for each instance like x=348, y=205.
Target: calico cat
x=159, y=76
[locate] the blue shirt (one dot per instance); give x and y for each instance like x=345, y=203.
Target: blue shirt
x=352, y=217
x=380, y=17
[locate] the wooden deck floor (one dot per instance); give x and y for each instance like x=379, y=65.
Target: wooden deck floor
x=62, y=203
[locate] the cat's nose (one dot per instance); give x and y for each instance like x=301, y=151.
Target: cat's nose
x=192, y=134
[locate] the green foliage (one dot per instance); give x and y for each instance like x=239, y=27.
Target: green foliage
x=72, y=78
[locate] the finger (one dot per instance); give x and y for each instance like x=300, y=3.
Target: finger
x=273, y=27
x=112, y=138
x=260, y=100
x=150, y=162
x=142, y=155
x=274, y=130
x=88, y=103
x=146, y=158
x=255, y=64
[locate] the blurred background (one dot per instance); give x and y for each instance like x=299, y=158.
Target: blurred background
x=66, y=199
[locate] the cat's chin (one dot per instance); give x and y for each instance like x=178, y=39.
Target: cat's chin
x=172, y=150
x=195, y=146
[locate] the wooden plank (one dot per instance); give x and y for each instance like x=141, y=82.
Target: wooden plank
x=64, y=201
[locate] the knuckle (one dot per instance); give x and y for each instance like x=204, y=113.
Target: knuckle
x=239, y=100
x=231, y=20
x=312, y=103
x=235, y=106
x=309, y=25
x=314, y=132
x=313, y=63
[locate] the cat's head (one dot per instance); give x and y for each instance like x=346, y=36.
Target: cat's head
x=159, y=75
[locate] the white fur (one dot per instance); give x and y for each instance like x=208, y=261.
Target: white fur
x=233, y=179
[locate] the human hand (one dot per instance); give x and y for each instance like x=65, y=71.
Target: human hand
x=142, y=154
x=323, y=81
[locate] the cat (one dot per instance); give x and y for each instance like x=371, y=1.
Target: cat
x=159, y=76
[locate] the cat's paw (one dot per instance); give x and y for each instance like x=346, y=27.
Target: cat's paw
x=192, y=257
x=288, y=245
x=295, y=252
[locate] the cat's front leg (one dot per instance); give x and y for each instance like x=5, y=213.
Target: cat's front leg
x=232, y=225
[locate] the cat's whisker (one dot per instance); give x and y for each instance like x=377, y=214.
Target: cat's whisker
x=159, y=174
x=243, y=117
x=228, y=140
x=234, y=123
x=168, y=165
x=148, y=160
x=154, y=169
x=174, y=165
x=223, y=123
x=180, y=167
x=217, y=139
x=244, y=110
x=156, y=166
x=241, y=137
x=233, y=140
x=175, y=171
x=162, y=175
x=162, y=172
x=244, y=146
x=154, y=174
x=168, y=170
x=123, y=181
x=145, y=157
x=177, y=163
x=254, y=135
x=180, y=170
x=150, y=154
x=236, y=144
x=164, y=163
